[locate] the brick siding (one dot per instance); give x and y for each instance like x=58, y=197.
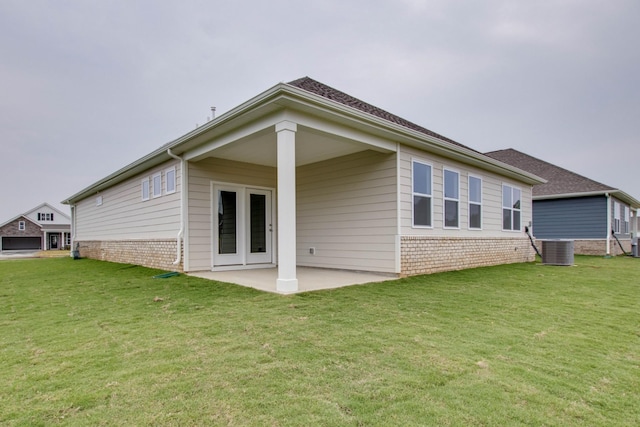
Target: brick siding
x=599, y=247
x=13, y=230
x=148, y=253
x=426, y=255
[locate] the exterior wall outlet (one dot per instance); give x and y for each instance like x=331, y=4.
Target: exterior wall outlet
x=312, y=251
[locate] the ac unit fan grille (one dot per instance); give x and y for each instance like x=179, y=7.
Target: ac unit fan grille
x=557, y=252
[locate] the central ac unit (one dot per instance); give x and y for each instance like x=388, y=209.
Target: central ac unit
x=557, y=252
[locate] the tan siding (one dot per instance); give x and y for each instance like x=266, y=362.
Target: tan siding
x=201, y=174
x=491, y=198
x=346, y=210
x=123, y=214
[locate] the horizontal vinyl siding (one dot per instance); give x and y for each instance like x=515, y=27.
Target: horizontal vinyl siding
x=123, y=214
x=201, y=174
x=575, y=218
x=346, y=209
x=491, y=198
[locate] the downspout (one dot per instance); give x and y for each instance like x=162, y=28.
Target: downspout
x=73, y=229
x=182, y=202
x=398, y=239
x=608, y=196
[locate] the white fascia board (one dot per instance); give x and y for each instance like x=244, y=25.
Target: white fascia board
x=201, y=151
x=333, y=128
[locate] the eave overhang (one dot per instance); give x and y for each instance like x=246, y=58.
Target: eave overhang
x=284, y=97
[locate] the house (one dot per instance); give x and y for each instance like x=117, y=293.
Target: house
x=41, y=228
x=571, y=206
x=305, y=175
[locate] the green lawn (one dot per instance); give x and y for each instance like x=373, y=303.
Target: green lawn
x=92, y=343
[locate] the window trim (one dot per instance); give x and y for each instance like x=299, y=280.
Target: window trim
x=445, y=199
x=427, y=195
x=155, y=194
x=626, y=218
x=616, y=217
x=174, y=180
x=471, y=202
x=145, y=187
x=511, y=208
x=22, y=225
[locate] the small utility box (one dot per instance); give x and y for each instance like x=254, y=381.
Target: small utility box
x=634, y=247
x=557, y=252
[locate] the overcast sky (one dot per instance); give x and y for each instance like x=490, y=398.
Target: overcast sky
x=87, y=87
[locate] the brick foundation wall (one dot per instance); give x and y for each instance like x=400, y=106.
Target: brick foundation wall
x=598, y=247
x=426, y=255
x=148, y=253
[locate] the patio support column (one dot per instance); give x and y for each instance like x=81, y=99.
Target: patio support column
x=287, y=281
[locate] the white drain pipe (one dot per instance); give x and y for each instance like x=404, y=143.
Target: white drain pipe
x=182, y=202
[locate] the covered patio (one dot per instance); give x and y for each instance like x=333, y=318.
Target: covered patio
x=309, y=278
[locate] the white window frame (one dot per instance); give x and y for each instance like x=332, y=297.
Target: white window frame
x=450, y=199
x=616, y=217
x=511, y=208
x=146, y=189
x=415, y=194
x=22, y=225
x=170, y=180
x=156, y=185
x=626, y=220
x=474, y=202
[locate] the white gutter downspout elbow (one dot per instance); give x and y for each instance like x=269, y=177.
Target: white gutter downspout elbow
x=182, y=201
x=608, y=196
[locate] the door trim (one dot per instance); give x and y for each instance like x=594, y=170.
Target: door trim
x=242, y=222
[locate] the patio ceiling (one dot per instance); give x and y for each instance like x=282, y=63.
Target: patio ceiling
x=312, y=145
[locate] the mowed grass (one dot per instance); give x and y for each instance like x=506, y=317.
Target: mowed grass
x=93, y=343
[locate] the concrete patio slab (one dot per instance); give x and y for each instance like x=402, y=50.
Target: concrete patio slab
x=309, y=279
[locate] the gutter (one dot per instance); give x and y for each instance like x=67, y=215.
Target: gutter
x=608, y=196
x=180, y=235
x=276, y=95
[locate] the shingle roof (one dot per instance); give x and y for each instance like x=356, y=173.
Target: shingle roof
x=313, y=86
x=559, y=180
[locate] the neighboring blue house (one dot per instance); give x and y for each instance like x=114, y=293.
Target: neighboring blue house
x=571, y=206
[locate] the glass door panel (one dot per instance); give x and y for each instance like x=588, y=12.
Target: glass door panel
x=227, y=222
x=258, y=223
x=259, y=226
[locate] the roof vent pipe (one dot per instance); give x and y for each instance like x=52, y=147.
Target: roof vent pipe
x=213, y=113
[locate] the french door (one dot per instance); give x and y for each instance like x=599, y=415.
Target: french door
x=242, y=226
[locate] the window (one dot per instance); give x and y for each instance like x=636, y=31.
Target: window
x=99, y=201
x=616, y=217
x=21, y=225
x=145, y=189
x=170, y=177
x=511, y=208
x=45, y=216
x=475, y=202
x=625, y=229
x=422, y=199
x=157, y=184
x=451, y=199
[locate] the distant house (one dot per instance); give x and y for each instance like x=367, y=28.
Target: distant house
x=571, y=206
x=305, y=175
x=41, y=228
